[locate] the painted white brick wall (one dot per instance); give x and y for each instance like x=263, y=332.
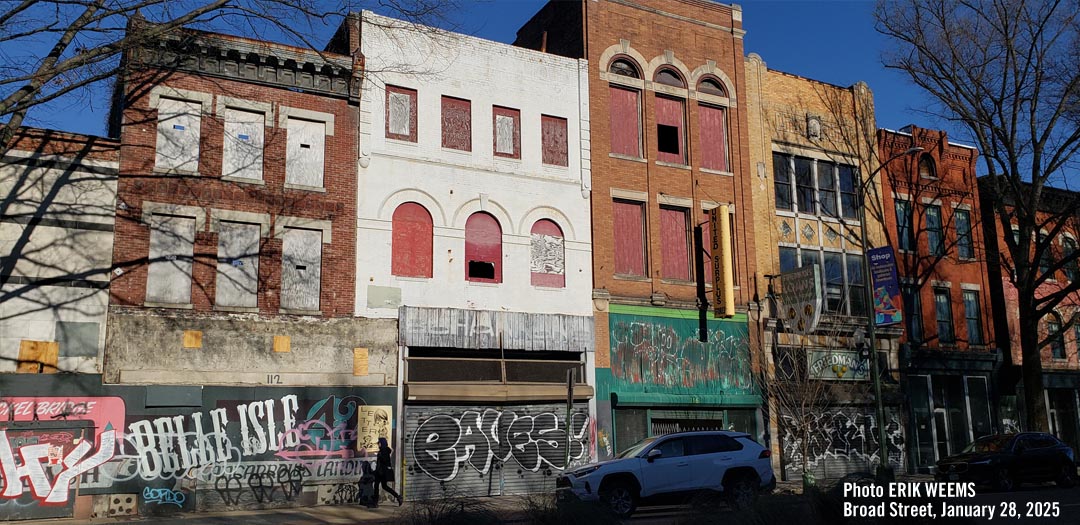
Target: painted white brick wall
x=453, y=184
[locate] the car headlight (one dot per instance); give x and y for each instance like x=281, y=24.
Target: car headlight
x=585, y=471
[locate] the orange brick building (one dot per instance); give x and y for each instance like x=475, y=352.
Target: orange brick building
x=669, y=142
x=949, y=357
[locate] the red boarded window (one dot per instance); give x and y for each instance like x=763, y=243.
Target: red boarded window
x=553, y=130
x=456, y=123
x=674, y=236
x=625, y=122
x=714, y=150
x=507, y=136
x=629, y=235
x=483, y=249
x=401, y=113
x=412, y=241
x=670, y=130
x=548, y=255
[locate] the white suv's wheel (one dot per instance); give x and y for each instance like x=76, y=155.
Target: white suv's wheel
x=741, y=493
x=620, y=498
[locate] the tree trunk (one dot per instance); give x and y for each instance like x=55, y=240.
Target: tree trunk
x=1035, y=410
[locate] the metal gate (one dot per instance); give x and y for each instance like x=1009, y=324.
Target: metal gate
x=490, y=450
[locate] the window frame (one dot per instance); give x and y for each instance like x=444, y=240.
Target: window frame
x=686, y=247
x=506, y=112
x=294, y=302
x=254, y=171
x=944, y=318
x=831, y=193
x=973, y=320
x=222, y=257
x=448, y=102
x=965, y=242
x=788, y=171
x=411, y=136
x=846, y=211
x=192, y=159
x=802, y=189
x=471, y=249
x=905, y=225
x=916, y=329
x=402, y=246
x=681, y=157
x=1071, y=268
x=935, y=232
x=708, y=156
x=546, y=131
x=547, y=279
x=1056, y=338
x=644, y=220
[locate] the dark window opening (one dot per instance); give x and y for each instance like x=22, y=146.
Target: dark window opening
x=669, y=78
x=712, y=87
x=667, y=139
x=624, y=68
x=481, y=270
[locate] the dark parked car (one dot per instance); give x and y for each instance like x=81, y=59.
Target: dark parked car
x=1004, y=461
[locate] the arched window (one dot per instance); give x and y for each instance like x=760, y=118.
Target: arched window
x=483, y=249
x=926, y=168
x=670, y=120
x=548, y=257
x=712, y=87
x=411, y=247
x=624, y=67
x=669, y=77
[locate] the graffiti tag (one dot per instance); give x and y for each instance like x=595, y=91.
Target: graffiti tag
x=31, y=467
x=164, y=496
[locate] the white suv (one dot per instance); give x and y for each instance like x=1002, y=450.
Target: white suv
x=687, y=462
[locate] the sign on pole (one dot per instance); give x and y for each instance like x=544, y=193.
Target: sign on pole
x=837, y=365
x=802, y=299
x=720, y=250
x=885, y=285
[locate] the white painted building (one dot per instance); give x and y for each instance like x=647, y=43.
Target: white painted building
x=474, y=232
x=453, y=184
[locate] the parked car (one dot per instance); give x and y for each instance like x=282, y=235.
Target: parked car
x=680, y=464
x=1004, y=461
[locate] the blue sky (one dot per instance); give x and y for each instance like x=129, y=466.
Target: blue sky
x=832, y=41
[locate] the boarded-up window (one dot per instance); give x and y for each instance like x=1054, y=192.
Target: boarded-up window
x=238, y=264
x=172, y=241
x=629, y=236
x=676, y=242
x=483, y=249
x=625, y=121
x=305, y=153
x=670, y=130
x=412, y=241
x=507, y=136
x=548, y=258
x=714, y=147
x=553, y=130
x=301, y=269
x=401, y=113
x=242, y=151
x=178, y=135
x=456, y=124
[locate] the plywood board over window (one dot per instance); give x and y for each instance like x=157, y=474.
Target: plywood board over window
x=401, y=113
x=178, y=135
x=301, y=269
x=714, y=146
x=674, y=236
x=305, y=153
x=172, y=244
x=625, y=121
x=629, y=237
x=483, y=248
x=242, y=150
x=456, y=124
x=548, y=255
x=238, y=264
x=554, y=141
x=507, y=132
x=412, y=241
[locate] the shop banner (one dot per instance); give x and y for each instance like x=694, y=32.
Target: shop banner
x=886, y=286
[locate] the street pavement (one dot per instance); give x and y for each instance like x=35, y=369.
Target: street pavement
x=786, y=500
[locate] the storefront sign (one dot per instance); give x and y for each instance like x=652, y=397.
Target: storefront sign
x=801, y=299
x=885, y=286
x=837, y=365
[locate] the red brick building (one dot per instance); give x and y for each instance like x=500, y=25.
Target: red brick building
x=930, y=207
x=236, y=217
x=669, y=142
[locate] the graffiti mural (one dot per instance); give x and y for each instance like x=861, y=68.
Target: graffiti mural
x=840, y=440
x=665, y=354
x=491, y=450
x=236, y=449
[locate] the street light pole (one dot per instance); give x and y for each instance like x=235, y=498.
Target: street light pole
x=884, y=471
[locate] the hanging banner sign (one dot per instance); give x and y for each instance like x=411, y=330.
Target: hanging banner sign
x=885, y=285
x=837, y=365
x=801, y=299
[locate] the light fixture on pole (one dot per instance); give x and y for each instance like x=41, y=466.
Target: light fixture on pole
x=884, y=471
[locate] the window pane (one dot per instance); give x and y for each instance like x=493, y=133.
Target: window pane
x=789, y=259
x=1057, y=342
x=904, y=231
x=973, y=317
x=856, y=288
x=849, y=188
x=826, y=181
x=1072, y=268
x=834, y=281
x=782, y=181
x=934, y=235
x=804, y=180
x=943, y=315
x=672, y=448
x=964, y=247
x=810, y=257
x=913, y=313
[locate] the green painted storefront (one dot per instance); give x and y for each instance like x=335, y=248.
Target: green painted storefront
x=663, y=379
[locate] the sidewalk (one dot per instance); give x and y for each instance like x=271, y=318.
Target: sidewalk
x=507, y=506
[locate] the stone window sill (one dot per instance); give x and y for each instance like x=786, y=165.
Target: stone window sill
x=176, y=306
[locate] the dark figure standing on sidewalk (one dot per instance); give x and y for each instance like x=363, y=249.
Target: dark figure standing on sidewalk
x=384, y=471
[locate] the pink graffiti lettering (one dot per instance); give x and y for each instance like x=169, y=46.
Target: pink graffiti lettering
x=32, y=468
x=316, y=442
